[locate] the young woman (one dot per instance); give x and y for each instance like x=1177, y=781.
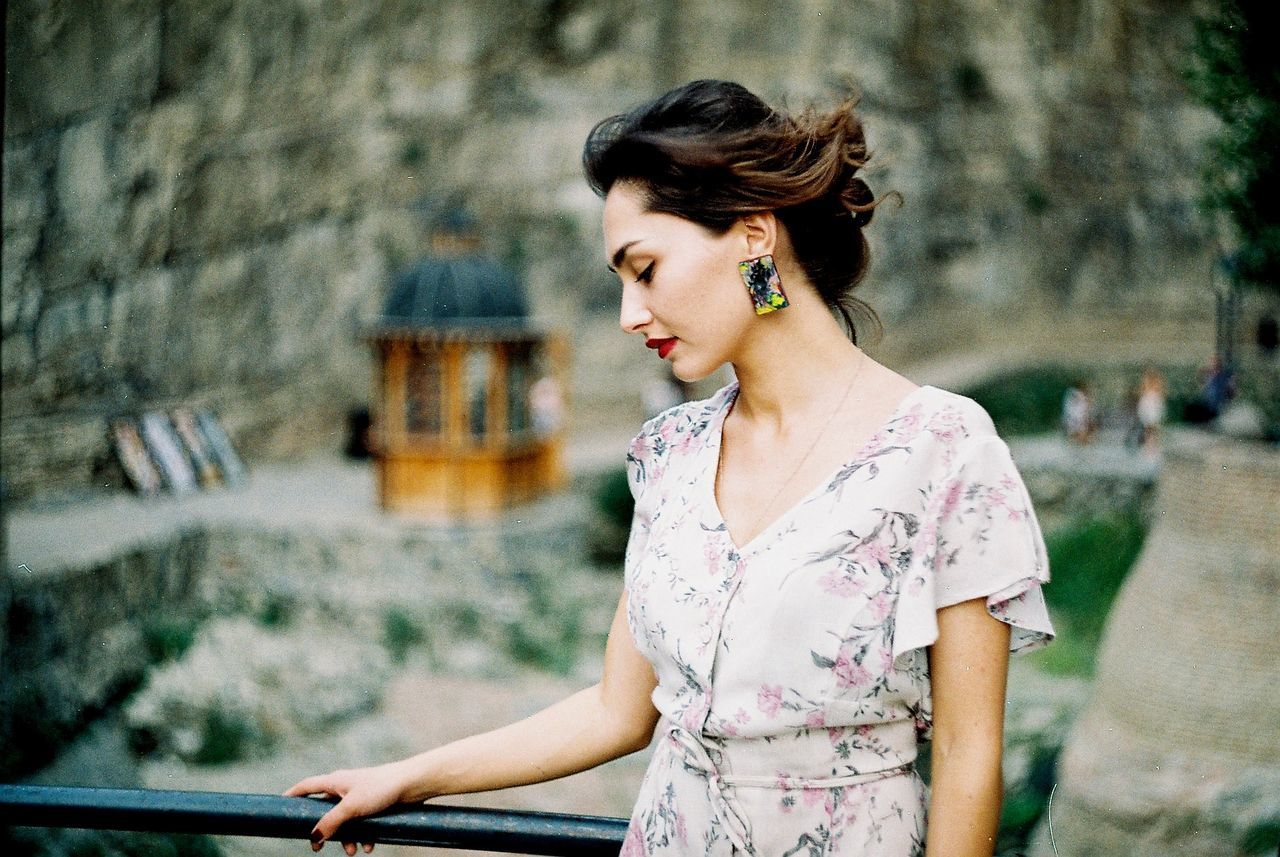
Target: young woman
x=828, y=564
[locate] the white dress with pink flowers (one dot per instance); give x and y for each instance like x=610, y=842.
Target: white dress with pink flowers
x=792, y=673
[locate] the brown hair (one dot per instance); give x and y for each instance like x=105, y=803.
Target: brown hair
x=711, y=151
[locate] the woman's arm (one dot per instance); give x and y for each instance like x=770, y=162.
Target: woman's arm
x=610, y=719
x=968, y=668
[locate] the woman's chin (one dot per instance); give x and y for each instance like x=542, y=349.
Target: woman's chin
x=689, y=372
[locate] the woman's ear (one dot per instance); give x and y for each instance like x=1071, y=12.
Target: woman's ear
x=760, y=232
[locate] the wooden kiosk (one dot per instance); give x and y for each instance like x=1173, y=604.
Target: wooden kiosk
x=469, y=397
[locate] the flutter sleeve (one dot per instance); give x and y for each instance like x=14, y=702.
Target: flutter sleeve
x=978, y=538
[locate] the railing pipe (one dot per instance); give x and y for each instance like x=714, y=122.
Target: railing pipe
x=223, y=814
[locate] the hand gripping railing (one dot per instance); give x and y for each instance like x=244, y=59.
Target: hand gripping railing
x=225, y=814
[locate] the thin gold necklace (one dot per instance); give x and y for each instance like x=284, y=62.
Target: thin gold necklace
x=808, y=452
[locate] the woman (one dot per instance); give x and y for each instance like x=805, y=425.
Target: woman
x=828, y=564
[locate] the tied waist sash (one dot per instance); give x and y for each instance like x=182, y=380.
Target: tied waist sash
x=698, y=757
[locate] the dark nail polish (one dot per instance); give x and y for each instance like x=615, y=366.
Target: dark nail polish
x=317, y=838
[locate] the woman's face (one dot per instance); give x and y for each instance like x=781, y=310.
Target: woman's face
x=681, y=288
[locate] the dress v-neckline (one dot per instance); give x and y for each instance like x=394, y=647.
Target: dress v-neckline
x=716, y=436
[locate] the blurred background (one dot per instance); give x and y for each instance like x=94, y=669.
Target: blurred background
x=353, y=242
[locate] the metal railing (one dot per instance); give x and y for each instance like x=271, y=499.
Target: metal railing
x=223, y=814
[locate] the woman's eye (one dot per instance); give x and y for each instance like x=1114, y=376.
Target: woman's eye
x=646, y=275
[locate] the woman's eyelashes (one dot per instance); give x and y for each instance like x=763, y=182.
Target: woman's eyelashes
x=646, y=276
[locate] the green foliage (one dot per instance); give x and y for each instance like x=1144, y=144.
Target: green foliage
x=400, y=633
x=463, y=618
x=1089, y=560
x=276, y=611
x=1029, y=400
x=167, y=636
x=549, y=634
x=544, y=644
x=1035, y=198
x=971, y=83
x=612, y=506
x=1262, y=839
x=613, y=497
x=1236, y=74
x=1025, y=401
x=413, y=154
x=1025, y=801
x=226, y=736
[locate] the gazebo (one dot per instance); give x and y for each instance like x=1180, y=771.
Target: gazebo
x=469, y=395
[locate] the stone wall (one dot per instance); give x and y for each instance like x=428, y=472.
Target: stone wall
x=203, y=201
x=74, y=640
x=1177, y=750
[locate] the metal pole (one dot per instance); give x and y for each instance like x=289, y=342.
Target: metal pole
x=219, y=813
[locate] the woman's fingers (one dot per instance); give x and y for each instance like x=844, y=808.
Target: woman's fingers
x=360, y=792
x=320, y=784
x=332, y=820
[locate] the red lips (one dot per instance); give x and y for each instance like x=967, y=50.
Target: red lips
x=664, y=346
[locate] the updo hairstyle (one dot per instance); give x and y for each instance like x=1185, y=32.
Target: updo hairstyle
x=711, y=152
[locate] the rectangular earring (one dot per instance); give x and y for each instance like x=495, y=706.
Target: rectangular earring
x=763, y=283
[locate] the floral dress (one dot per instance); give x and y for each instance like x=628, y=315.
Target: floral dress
x=792, y=675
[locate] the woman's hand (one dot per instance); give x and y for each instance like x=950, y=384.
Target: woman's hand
x=362, y=791
x=610, y=719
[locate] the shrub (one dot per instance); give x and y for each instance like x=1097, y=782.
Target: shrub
x=613, y=497
x=1029, y=400
x=612, y=506
x=226, y=737
x=550, y=632
x=276, y=610
x=1089, y=559
x=1026, y=401
x=400, y=633
x=167, y=636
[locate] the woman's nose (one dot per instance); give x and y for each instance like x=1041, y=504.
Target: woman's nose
x=633, y=313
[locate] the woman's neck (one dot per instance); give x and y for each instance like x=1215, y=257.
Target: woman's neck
x=794, y=368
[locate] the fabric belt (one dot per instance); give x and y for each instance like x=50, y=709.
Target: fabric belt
x=723, y=801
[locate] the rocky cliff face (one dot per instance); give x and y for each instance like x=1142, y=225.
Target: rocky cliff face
x=203, y=201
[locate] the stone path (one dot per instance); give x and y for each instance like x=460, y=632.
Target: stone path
x=321, y=491
x=1105, y=456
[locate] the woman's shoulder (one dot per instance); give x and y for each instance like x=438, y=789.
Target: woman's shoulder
x=946, y=426
x=682, y=422
x=959, y=409
x=932, y=414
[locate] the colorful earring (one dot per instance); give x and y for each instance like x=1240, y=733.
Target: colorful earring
x=763, y=283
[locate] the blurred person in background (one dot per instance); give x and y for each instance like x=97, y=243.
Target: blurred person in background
x=1217, y=388
x=1152, y=393
x=1078, y=421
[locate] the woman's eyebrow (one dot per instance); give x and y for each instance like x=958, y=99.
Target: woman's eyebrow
x=620, y=254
